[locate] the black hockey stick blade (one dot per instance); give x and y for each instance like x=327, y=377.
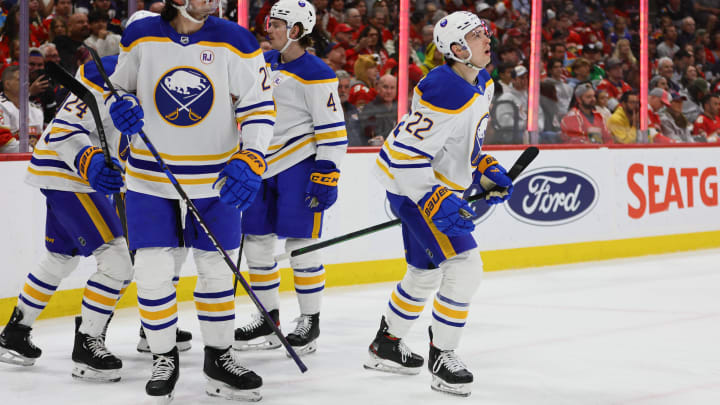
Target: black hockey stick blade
x=525, y=158
x=203, y=224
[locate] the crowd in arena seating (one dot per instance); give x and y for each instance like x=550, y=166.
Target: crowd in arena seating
x=590, y=76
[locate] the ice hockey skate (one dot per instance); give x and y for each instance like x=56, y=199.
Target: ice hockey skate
x=165, y=373
x=228, y=379
x=258, y=335
x=391, y=355
x=304, y=338
x=93, y=361
x=15, y=344
x=183, y=341
x=449, y=374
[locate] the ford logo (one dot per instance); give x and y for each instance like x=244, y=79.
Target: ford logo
x=552, y=196
x=482, y=209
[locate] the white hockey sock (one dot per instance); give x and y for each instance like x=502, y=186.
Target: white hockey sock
x=309, y=286
x=265, y=283
x=408, y=299
x=41, y=284
x=214, y=298
x=98, y=303
x=157, y=302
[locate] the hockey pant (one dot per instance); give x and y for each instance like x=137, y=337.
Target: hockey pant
x=102, y=290
x=457, y=278
x=155, y=269
x=308, y=271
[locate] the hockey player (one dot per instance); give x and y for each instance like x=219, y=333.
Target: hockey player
x=186, y=67
x=431, y=156
x=70, y=170
x=309, y=141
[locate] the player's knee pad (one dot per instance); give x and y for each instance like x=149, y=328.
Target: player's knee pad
x=213, y=273
x=461, y=275
x=421, y=283
x=307, y=261
x=259, y=250
x=113, y=260
x=57, y=266
x=179, y=256
x=154, y=267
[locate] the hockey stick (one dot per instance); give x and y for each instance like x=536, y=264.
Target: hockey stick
x=242, y=244
x=196, y=213
x=83, y=93
x=521, y=163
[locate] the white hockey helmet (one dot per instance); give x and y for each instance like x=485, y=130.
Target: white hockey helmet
x=452, y=30
x=295, y=12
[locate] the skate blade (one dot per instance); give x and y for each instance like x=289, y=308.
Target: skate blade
x=164, y=399
x=144, y=347
x=216, y=388
x=461, y=390
x=262, y=343
x=12, y=357
x=87, y=373
x=304, y=350
x=389, y=366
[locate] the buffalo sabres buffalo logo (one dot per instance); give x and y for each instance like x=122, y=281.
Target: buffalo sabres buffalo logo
x=479, y=138
x=184, y=96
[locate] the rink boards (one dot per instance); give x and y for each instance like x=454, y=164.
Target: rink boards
x=571, y=205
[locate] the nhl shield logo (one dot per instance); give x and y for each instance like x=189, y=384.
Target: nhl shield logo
x=184, y=96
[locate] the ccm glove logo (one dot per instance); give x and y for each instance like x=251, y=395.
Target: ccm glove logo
x=326, y=179
x=433, y=203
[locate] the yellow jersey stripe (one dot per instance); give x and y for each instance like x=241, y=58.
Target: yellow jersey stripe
x=95, y=216
x=29, y=290
x=384, y=169
x=404, y=305
x=182, y=158
x=230, y=48
x=59, y=130
x=331, y=135
x=92, y=295
x=144, y=39
x=445, y=110
x=400, y=155
x=289, y=151
x=158, y=315
x=88, y=82
x=216, y=307
x=163, y=179
x=447, y=181
x=264, y=112
x=55, y=174
x=301, y=80
x=452, y=313
x=45, y=152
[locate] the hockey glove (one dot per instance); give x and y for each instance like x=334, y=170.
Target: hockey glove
x=127, y=114
x=489, y=174
x=448, y=212
x=241, y=179
x=321, y=191
x=91, y=166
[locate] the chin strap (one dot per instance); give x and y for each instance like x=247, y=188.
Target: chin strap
x=184, y=13
x=289, y=41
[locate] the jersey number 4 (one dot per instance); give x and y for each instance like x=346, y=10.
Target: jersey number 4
x=331, y=103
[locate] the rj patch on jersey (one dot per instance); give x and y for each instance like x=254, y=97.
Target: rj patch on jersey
x=184, y=96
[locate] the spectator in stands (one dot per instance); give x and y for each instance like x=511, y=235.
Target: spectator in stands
x=658, y=99
x=50, y=53
x=692, y=107
x=601, y=105
x=550, y=113
x=707, y=125
x=67, y=46
x=41, y=89
x=614, y=83
x=582, y=124
x=352, y=115
x=366, y=76
x=592, y=52
x=564, y=91
x=659, y=81
x=368, y=44
x=619, y=30
x=681, y=61
x=37, y=28
x=380, y=115
x=505, y=73
x=335, y=56
x=687, y=32
x=624, y=53
x=337, y=11
x=674, y=124
x=689, y=75
x=509, y=54
x=625, y=120
x=61, y=10
x=343, y=35
x=113, y=24
x=433, y=58
x=580, y=72
x=707, y=12
x=58, y=27
x=517, y=94
x=353, y=19
x=666, y=70
x=10, y=113
x=668, y=46
x=105, y=42
x=10, y=32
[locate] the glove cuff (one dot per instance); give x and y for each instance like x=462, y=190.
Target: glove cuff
x=432, y=200
x=84, y=159
x=486, y=162
x=253, y=159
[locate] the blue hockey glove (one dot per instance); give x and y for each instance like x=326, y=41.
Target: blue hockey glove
x=127, y=114
x=489, y=174
x=241, y=179
x=91, y=166
x=448, y=212
x=321, y=191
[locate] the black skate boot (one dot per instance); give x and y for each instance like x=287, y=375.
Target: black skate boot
x=449, y=373
x=165, y=373
x=390, y=354
x=183, y=341
x=304, y=338
x=93, y=361
x=228, y=379
x=15, y=344
x=258, y=335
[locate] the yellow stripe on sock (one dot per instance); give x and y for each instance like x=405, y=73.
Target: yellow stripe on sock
x=101, y=299
x=309, y=280
x=449, y=312
x=158, y=315
x=404, y=305
x=261, y=278
x=29, y=290
x=217, y=307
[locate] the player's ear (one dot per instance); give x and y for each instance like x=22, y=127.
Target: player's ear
x=456, y=49
x=296, y=31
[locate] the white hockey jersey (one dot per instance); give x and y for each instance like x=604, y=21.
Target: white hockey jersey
x=440, y=140
x=310, y=115
x=10, y=120
x=186, y=85
x=52, y=165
